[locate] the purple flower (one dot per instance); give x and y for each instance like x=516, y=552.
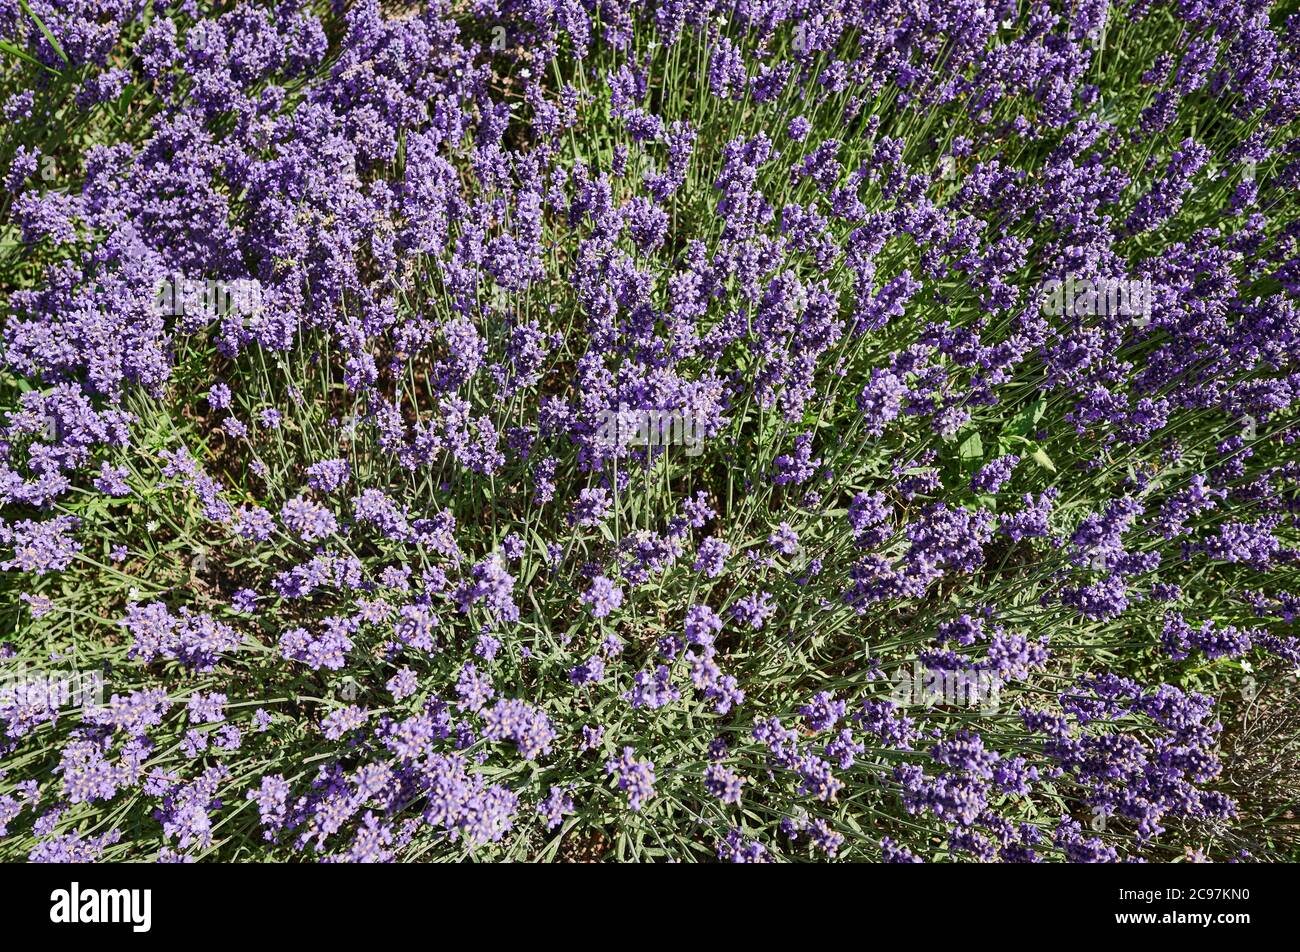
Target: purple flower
x=634, y=777
x=603, y=596
x=785, y=540
x=403, y=684
x=207, y=708
x=712, y=556
x=342, y=720
x=652, y=689
x=590, y=671
x=723, y=783
x=328, y=475
x=244, y=601
x=308, y=520
x=40, y=547
x=991, y=477
x=555, y=807
x=522, y=723
x=754, y=610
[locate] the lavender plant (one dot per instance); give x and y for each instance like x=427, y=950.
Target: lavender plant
x=678, y=430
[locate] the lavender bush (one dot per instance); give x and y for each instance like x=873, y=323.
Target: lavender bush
x=680, y=430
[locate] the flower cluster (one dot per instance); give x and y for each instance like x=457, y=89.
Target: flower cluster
x=368, y=581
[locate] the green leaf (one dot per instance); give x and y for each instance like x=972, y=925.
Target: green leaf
x=12, y=49
x=971, y=449
x=1023, y=422
x=44, y=29
x=1040, y=457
